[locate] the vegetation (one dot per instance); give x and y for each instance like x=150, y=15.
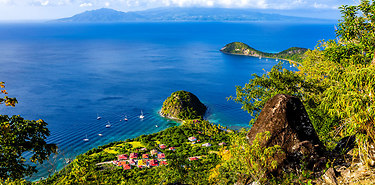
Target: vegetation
x=295, y=54
x=183, y=105
x=19, y=136
x=335, y=82
x=83, y=170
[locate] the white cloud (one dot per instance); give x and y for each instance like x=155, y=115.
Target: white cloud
x=85, y=5
x=44, y=3
x=107, y=4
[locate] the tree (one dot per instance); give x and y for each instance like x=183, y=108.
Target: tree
x=17, y=137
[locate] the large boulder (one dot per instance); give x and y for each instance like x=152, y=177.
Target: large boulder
x=183, y=105
x=286, y=119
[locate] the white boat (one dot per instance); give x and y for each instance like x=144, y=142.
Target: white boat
x=156, y=126
x=126, y=118
x=141, y=116
x=98, y=117
x=100, y=135
x=260, y=57
x=108, y=125
x=277, y=59
x=86, y=139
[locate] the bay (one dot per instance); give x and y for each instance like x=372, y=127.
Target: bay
x=66, y=74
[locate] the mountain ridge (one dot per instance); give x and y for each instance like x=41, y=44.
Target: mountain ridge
x=106, y=15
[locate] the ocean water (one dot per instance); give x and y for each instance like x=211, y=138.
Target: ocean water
x=66, y=74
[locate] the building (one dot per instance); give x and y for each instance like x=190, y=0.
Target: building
x=161, y=156
x=153, y=152
x=172, y=148
x=122, y=157
x=127, y=167
x=192, y=138
x=145, y=156
x=162, y=146
x=193, y=158
x=154, y=162
x=206, y=144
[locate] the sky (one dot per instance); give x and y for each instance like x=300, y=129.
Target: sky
x=53, y=9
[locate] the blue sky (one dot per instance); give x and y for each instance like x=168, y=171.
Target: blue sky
x=52, y=9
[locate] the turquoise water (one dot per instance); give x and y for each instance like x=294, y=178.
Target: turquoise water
x=66, y=74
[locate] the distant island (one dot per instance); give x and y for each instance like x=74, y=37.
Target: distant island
x=106, y=15
x=238, y=48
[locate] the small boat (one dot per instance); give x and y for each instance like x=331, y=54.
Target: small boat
x=100, y=135
x=126, y=118
x=98, y=117
x=86, y=139
x=260, y=57
x=108, y=125
x=277, y=59
x=141, y=116
x=156, y=126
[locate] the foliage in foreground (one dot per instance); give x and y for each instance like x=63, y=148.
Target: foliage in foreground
x=19, y=136
x=336, y=81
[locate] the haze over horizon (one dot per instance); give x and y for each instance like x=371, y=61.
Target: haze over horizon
x=53, y=9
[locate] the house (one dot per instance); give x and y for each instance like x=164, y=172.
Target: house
x=132, y=162
x=162, y=146
x=161, y=156
x=198, y=141
x=206, y=144
x=144, y=149
x=133, y=155
x=192, y=138
x=145, y=156
x=153, y=152
x=127, y=167
x=163, y=163
x=142, y=163
x=122, y=157
x=172, y=148
x=121, y=163
x=223, y=143
x=154, y=162
x=193, y=158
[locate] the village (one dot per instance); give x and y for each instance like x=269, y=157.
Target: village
x=152, y=159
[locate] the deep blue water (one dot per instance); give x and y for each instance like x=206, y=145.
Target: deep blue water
x=67, y=73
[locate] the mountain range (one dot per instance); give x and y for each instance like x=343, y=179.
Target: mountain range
x=105, y=15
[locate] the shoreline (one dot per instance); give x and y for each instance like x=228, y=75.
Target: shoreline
x=235, y=54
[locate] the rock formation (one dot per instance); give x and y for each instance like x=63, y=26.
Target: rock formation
x=183, y=105
x=286, y=119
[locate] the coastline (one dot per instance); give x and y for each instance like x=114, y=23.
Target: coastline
x=237, y=54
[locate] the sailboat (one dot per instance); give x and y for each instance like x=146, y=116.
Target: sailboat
x=86, y=139
x=126, y=118
x=98, y=117
x=141, y=116
x=108, y=125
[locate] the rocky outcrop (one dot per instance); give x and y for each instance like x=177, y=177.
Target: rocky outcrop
x=286, y=119
x=182, y=105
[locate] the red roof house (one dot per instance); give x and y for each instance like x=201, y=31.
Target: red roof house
x=192, y=138
x=162, y=146
x=161, y=156
x=163, y=163
x=154, y=162
x=133, y=155
x=121, y=163
x=172, y=148
x=193, y=158
x=123, y=157
x=145, y=156
x=127, y=167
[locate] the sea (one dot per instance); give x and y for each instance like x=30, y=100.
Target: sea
x=69, y=74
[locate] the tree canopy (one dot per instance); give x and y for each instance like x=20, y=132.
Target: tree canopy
x=17, y=137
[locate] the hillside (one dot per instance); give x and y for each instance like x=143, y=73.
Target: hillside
x=238, y=48
x=106, y=15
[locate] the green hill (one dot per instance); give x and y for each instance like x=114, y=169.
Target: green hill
x=238, y=48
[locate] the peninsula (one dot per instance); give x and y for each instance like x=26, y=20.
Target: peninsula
x=238, y=48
